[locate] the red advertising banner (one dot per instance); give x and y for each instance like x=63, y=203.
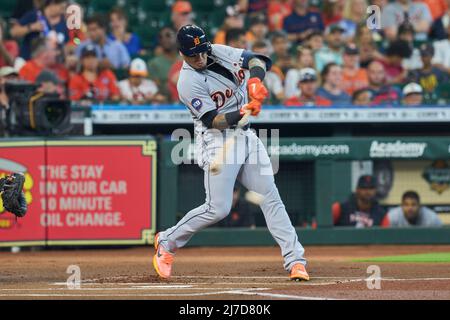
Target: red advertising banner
x=78, y=192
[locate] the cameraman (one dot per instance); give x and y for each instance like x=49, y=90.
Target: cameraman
x=6, y=74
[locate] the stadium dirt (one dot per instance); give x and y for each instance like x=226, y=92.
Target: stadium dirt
x=222, y=273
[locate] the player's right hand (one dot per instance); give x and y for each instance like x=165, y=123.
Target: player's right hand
x=254, y=106
x=257, y=90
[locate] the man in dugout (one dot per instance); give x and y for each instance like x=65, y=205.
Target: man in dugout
x=361, y=210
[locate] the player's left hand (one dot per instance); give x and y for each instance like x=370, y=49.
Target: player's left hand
x=254, y=106
x=257, y=90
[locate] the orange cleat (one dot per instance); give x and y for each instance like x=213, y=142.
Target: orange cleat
x=162, y=260
x=298, y=273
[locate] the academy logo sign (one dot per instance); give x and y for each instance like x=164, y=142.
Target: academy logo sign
x=397, y=149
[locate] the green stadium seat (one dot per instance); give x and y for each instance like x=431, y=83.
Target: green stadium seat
x=121, y=74
x=202, y=5
x=6, y=8
x=153, y=6
x=443, y=93
x=102, y=6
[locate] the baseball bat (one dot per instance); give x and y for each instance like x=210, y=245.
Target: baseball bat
x=216, y=164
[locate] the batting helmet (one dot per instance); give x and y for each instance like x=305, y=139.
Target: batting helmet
x=192, y=40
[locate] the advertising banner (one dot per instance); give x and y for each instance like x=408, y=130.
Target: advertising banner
x=79, y=192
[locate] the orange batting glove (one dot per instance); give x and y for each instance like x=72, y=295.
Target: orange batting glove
x=257, y=90
x=254, y=106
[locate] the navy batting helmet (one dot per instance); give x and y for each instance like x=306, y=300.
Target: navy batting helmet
x=192, y=40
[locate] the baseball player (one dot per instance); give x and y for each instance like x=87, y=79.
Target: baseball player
x=214, y=83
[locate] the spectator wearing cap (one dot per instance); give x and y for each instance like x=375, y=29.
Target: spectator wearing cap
x=383, y=94
x=9, y=49
x=393, y=61
x=333, y=51
x=137, y=89
x=417, y=13
x=280, y=55
x=43, y=57
x=93, y=84
x=118, y=22
x=276, y=12
x=331, y=88
x=406, y=33
x=307, y=87
x=362, y=97
x=48, y=83
x=315, y=40
x=302, y=21
x=412, y=214
x=181, y=14
x=233, y=20
x=412, y=95
x=112, y=53
x=272, y=81
x=353, y=77
x=354, y=14
x=439, y=27
x=159, y=66
x=46, y=21
x=257, y=30
x=442, y=52
x=428, y=76
x=305, y=59
x=361, y=210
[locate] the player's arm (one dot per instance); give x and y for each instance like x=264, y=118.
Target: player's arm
x=213, y=119
x=258, y=65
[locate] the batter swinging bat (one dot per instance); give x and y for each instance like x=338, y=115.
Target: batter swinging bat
x=217, y=163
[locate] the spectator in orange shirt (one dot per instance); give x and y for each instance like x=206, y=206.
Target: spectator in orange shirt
x=353, y=77
x=308, y=86
x=276, y=12
x=437, y=7
x=92, y=83
x=233, y=20
x=43, y=56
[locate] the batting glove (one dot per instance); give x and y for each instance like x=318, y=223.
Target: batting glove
x=257, y=90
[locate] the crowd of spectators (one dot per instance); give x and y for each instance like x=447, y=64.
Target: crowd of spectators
x=323, y=51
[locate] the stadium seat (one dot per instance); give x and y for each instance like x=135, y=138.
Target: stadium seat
x=202, y=5
x=6, y=8
x=102, y=6
x=153, y=6
x=443, y=92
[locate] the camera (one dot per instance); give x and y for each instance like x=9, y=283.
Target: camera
x=32, y=112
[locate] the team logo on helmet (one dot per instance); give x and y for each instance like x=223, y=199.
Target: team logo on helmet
x=196, y=41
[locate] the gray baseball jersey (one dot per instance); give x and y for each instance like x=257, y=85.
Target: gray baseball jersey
x=427, y=218
x=203, y=91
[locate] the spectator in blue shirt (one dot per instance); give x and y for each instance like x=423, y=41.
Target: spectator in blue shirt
x=302, y=21
x=331, y=88
x=47, y=21
x=334, y=49
x=112, y=53
x=119, y=24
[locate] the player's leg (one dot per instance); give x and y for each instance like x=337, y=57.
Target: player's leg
x=219, y=193
x=257, y=176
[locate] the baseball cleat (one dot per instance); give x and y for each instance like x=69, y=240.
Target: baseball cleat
x=162, y=260
x=298, y=273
